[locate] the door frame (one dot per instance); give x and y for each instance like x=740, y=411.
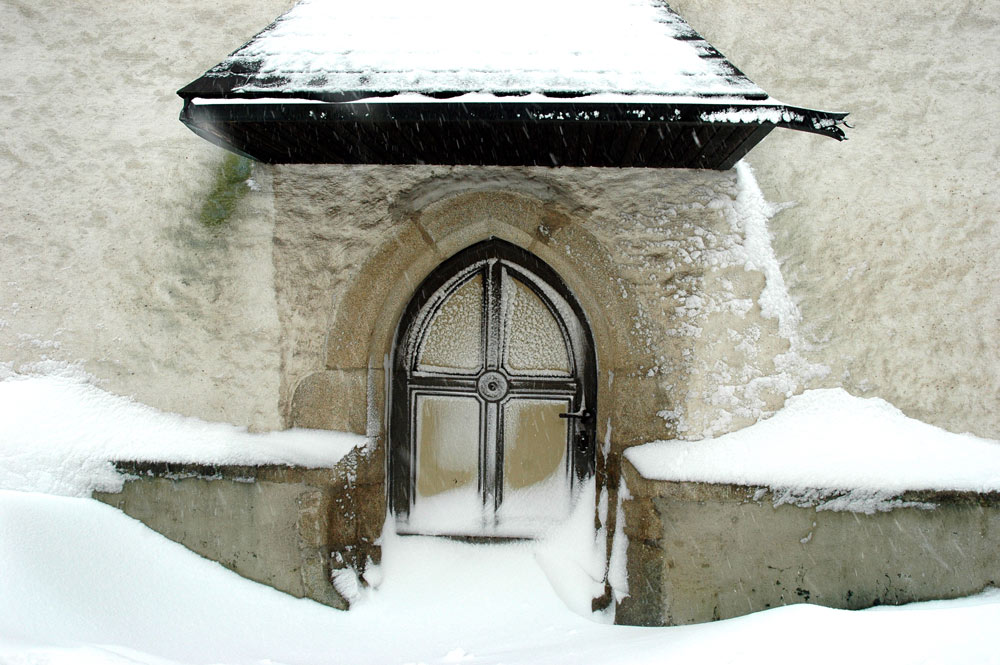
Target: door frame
x=401, y=469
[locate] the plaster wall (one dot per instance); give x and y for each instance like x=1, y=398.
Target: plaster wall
x=892, y=249
x=104, y=261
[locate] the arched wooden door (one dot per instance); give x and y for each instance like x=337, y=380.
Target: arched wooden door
x=493, y=398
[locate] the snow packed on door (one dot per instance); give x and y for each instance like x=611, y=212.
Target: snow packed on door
x=492, y=398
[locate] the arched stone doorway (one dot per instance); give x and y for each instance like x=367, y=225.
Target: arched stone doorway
x=492, y=399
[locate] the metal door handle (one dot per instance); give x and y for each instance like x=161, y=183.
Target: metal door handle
x=584, y=415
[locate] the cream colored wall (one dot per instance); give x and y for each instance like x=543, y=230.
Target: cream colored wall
x=103, y=260
x=893, y=247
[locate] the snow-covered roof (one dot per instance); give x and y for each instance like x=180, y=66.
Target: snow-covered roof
x=453, y=64
x=330, y=47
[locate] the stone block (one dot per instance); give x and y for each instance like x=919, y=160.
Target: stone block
x=727, y=550
x=465, y=219
x=275, y=525
x=370, y=466
x=333, y=400
x=370, y=506
x=368, y=312
x=642, y=521
x=314, y=522
x=249, y=527
x=633, y=415
x=644, y=604
x=342, y=518
x=316, y=579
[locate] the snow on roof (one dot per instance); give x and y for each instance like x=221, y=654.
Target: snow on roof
x=830, y=439
x=629, y=79
x=567, y=47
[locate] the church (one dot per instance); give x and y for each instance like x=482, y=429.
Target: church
x=509, y=244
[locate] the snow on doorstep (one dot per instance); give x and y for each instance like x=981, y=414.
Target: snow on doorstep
x=830, y=439
x=58, y=434
x=574, y=46
x=78, y=578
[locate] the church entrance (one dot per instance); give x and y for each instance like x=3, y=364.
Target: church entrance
x=493, y=398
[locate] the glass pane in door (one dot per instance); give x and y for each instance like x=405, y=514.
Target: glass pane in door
x=447, y=484
x=535, y=343
x=453, y=342
x=535, y=474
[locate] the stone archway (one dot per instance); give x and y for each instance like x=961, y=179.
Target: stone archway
x=351, y=391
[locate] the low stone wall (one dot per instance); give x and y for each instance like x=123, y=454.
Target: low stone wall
x=290, y=528
x=700, y=552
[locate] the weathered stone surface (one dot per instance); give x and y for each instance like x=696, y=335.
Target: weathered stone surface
x=249, y=527
x=699, y=552
x=314, y=518
x=276, y=525
x=644, y=604
x=370, y=296
x=316, y=575
x=370, y=507
x=642, y=521
x=332, y=399
x=634, y=411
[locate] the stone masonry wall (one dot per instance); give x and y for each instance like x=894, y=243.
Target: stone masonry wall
x=700, y=552
x=663, y=258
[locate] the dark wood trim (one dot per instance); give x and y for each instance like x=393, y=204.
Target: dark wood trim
x=490, y=257
x=504, y=133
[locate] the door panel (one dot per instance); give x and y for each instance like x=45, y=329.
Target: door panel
x=490, y=353
x=447, y=464
x=453, y=342
x=535, y=342
x=447, y=443
x=534, y=442
x=536, y=481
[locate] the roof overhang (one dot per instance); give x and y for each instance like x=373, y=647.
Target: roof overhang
x=506, y=132
x=619, y=83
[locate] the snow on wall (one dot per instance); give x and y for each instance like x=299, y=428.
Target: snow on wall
x=713, y=310
x=889, y=252
x=105, y=262
x=59, y=434
x=892, y=249
x=828, y=439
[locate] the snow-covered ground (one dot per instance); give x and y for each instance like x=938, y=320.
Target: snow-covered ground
x=81, y=582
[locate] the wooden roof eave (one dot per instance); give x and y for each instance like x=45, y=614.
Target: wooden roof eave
x=234, y=122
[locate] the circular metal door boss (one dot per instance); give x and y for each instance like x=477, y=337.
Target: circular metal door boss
x=492, y=386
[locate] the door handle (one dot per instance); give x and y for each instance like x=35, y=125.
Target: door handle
x=585, y=416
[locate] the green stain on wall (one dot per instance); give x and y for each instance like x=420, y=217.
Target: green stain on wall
x=229, y=187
